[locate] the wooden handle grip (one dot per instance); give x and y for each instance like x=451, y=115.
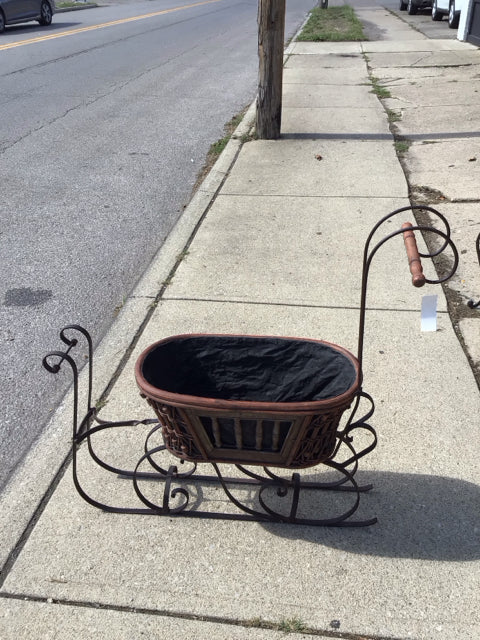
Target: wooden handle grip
x=414, y=262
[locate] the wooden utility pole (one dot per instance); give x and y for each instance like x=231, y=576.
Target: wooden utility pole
x=271, y=34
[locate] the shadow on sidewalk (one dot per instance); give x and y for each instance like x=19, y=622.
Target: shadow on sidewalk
x=378, y=136
x=420, y=516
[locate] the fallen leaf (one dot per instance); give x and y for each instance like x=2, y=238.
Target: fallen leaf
x=318, y=157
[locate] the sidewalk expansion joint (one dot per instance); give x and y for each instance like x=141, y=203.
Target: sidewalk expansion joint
x=255, y=623
x=460, y=65
x=449, y=135
x=359, y=137
x=315, y=196
x=295, y=305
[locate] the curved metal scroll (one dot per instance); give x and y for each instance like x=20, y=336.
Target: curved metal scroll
x=369, y=254
x=471, y=303
x=53, y=362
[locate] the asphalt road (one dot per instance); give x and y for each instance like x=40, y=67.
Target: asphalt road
x=103, y=130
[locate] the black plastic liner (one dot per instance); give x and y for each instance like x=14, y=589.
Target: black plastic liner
x=256, y=369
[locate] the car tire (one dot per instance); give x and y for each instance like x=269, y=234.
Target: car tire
x=412, y=9
x=453, y=18
x=45, y=14
x=403, y=5
x=436, y=15
x=2, y=22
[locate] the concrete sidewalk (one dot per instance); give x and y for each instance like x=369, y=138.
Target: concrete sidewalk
x=272, y=244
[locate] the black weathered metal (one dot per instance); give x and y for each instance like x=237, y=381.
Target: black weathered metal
x=276, y=498
x=471, y=303
x=369, y=254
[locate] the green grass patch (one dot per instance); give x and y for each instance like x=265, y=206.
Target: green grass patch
x=335, y=24
x=217, y=147
x=378, y=89
x=291, y=625
x=248, y=137
x=393, y=116
x=402, y=146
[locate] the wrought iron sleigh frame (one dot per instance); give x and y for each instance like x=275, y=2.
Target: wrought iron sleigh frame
x=270, y=487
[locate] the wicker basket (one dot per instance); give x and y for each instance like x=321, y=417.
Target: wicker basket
x=213, y=397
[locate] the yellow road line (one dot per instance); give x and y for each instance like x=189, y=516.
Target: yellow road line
x=61, y=34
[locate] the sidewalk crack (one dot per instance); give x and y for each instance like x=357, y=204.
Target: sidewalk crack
x=255, y=623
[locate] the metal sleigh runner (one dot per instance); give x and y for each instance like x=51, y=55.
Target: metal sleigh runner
x=260, y=407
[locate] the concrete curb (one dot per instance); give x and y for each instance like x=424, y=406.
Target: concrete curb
x=21, y=502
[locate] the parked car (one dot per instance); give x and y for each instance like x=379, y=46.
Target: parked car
x=450, y=8
x=412, y=6
x=16, y=11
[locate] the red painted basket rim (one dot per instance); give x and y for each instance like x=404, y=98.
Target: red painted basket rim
x=184, y=400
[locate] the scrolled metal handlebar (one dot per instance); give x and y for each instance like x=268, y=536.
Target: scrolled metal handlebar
x=414, y=260
x=414, y=255
x=413, y=208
